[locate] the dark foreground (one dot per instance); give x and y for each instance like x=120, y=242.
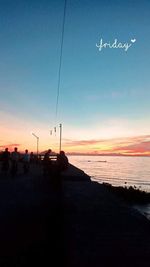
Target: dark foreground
x=31, y=223
x=130, y=194
x=79, y=224
x=103, y=231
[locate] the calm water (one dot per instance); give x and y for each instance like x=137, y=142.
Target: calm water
x=118, y=171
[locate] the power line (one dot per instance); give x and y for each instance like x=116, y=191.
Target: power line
x=60, y=59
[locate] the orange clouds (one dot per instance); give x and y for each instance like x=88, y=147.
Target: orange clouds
x=9, y=146
x=138, y=145
x=82, y=142
x=18, y=133
x=143, y=147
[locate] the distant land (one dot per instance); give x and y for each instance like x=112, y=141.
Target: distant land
x=90, y=154
x=108, y=154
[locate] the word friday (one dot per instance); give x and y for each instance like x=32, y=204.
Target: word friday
x=115, y=44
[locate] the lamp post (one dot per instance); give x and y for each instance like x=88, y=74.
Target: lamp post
x=37, y=138
x=60, y=137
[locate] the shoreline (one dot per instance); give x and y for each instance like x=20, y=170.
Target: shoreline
x=131, y=172
x=136, y=198
x=101, y=229
x=130, y=194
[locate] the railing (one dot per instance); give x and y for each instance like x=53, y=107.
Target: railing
x=52, y=157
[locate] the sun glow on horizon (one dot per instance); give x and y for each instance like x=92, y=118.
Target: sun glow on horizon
x=16, y=132
x=104, y=95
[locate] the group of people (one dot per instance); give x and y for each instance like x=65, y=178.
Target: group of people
x=10, y=161
x=53, y=166
x=61, y=163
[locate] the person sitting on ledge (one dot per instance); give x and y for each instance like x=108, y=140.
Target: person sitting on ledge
x=47, y=163
x=62, y=161
x=61, y=165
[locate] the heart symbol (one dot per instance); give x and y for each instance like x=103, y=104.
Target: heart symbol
x=133, y=40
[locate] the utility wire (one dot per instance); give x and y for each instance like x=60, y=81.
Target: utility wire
x=60, y=59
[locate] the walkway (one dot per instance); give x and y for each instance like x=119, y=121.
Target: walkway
x=81, y=225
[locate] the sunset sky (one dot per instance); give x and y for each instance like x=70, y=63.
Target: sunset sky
x=104, y=95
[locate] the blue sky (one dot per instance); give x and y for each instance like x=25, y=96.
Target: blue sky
x=102, y=93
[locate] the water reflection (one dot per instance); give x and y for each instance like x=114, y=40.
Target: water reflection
x=118, y=171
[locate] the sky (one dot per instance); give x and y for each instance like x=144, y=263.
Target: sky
x=103, y=95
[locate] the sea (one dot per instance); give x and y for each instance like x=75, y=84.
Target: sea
x=118, y=171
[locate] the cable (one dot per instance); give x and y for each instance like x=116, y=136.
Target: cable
x=60, y=60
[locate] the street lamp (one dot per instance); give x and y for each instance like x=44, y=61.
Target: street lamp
x=60, y=137
x=37, y=138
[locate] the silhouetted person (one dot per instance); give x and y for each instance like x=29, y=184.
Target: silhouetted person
x=61, y=165
x=15, y=159
x=26, y=162
x=47, y=164
x=32, y=157
x=5, y=160
x=62, y=161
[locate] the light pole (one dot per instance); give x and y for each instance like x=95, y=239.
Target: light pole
x=37, y=138
x=60, y=137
